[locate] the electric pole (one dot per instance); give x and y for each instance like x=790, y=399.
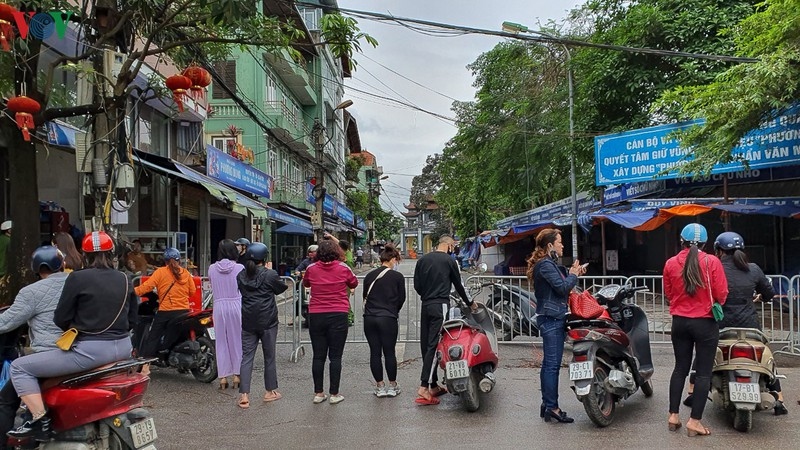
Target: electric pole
x=319, y=186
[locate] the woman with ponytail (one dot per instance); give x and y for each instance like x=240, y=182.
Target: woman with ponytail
x=259, y=285
x=693, y=280
x=552, y=284
x=174, y=286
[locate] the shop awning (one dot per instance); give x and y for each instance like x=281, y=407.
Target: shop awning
x=291, y=228
x=239, y=202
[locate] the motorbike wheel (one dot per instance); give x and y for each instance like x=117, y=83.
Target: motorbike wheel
x=647, y=388
x=470, y=398
x=207, y=372
x=510, y=320
x=742, y=420
x=599, y=404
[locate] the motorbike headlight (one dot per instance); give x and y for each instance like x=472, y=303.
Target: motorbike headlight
x=455, y=352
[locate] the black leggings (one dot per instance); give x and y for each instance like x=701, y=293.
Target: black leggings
x=381, y=333
x=700, y=335
x=328, y=333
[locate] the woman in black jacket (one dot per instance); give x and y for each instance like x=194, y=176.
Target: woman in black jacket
x=259, y=285
x=384, y=295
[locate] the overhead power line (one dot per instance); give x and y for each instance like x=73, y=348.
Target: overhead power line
x=460, y=29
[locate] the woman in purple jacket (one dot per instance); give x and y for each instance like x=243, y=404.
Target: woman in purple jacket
x=227, y=312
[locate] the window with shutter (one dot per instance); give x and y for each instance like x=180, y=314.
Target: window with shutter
x=227, y=71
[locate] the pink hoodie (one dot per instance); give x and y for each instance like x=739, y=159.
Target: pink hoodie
x=329, y=282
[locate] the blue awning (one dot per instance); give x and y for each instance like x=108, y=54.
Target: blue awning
x=291, y=228
x=628, y=219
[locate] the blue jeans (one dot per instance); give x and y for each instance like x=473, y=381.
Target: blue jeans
x=553, y=334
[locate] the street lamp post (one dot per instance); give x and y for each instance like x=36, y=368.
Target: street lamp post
x=318, y=134
x=516, y=28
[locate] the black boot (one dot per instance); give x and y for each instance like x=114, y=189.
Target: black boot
x=39, y=429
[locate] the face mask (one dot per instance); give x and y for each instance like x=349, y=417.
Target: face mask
x=395, y=266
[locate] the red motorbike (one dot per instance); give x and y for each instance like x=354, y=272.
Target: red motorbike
x=100, y=410
x=467, y=352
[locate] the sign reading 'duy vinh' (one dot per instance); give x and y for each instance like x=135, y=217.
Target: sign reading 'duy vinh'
x=652, y=154
x=234, y=173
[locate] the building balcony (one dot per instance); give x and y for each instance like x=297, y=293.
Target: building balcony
x=287, y=127
x=294, y=76
x=228, y=111
x=289, y=192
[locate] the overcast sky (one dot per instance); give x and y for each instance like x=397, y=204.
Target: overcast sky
x=400, y=137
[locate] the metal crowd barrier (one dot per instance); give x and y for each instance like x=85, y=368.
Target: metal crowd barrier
x=779, y=317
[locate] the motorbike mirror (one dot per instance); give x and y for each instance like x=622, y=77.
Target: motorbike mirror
x=483, y=268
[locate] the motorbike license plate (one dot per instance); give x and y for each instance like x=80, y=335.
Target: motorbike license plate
x=744, y=392
x=457, y=369
x=211, y=333
x=581, y=370
x=143, y=432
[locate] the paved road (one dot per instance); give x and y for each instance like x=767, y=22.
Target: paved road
x=193, y=415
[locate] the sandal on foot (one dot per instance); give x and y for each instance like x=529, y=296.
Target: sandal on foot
x=244, y=403
x=426, y=401
x=438, y=391
x=691, y=432
x=271, y=396
x=673, y=426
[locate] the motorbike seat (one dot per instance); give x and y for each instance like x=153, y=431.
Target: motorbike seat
x=734, y=334
x=52, y=382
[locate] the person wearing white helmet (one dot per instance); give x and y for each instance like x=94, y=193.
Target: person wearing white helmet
x=5, y=242
x=693, y=280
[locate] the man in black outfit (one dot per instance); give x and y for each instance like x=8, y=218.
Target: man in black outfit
x=434, y=274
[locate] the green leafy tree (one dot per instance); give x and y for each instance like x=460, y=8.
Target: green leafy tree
x=182, y=31
x=740, y=98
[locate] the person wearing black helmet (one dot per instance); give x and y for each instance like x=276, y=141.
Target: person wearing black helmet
x=34, y=305
x=259, y=285
x=242, y=244
x=744, y=278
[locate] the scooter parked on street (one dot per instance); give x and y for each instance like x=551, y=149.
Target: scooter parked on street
x=743, y=371
x=97, y=410
x=610, y=358
x=467, y=352
x=516, y=311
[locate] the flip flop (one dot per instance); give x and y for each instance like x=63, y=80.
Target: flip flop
x=438, y=392
x=271, y=398
x=426, y=402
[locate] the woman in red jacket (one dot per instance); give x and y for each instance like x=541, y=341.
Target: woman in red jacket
x=693, y=280
x=328, y=277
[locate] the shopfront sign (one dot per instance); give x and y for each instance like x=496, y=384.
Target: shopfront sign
x=550, y=212
x=234, y=173
x=281, y=216
x=654, y=154
x=344, y=213
x=329, y=205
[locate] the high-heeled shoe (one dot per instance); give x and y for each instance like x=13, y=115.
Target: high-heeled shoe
x=223, y=384
x=236, y=382
x=560, y=416
x=541, y=410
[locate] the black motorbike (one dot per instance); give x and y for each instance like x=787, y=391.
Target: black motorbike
x=515, y=311
x=188, y=341
x=610, y=356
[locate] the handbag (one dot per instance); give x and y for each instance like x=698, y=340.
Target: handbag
x=373, y=284
x=67, y=338
x=716, y=308
x=585, y=306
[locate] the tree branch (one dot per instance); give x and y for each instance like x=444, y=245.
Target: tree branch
x=72, y=111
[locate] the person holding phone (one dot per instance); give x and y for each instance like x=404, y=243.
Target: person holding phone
x=552, y=284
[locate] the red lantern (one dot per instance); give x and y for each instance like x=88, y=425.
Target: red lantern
x=6, y=25
x=200, y=79
x=24, y=109
x=178, y=84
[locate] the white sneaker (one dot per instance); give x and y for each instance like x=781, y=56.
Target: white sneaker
x=338, y=398
x=381, y=392
x=392, y=391
x=320, y=398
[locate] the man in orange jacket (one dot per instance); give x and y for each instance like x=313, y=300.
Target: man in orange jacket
x=174, y=286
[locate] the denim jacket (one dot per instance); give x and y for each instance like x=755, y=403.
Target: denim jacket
x=552, y=285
